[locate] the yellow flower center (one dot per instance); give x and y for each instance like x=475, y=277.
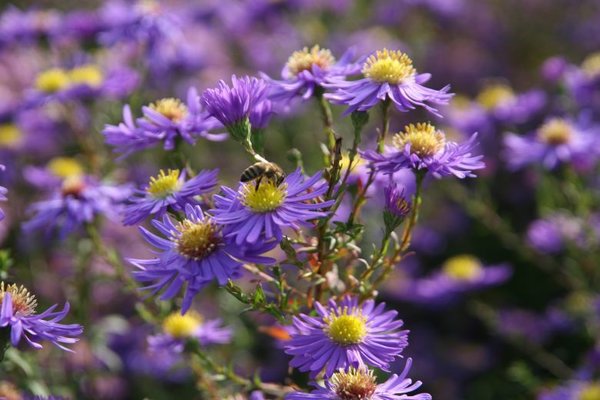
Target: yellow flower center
x=65, y=167
x=89, y=75
x=354, y=384
x=555, y=132
x=52, y=80
x=346, y=329
x=10, y=135
x=345, y=162
x=182, y=326
x=423, y=138
x=171, y=108
x=197, y=239
x=266, y=198
x=164, y=184
x=304, y=59
x=388, y=66
x=462, y=268
x=23, y=301
x=591, y=65
x=590, y=392
x=493, y=95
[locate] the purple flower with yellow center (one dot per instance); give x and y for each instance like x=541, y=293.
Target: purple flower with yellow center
x=459, y=274
x=178, y=328
x=260, y=212
x=557, y=141
x=77, y=202
x=500, y=102
x=361, y=383
x=389, y=76
x=193, y=252
x=232, y=106
x=167, y=189
x=346, y=335
x=574, y=390
x=165, y=121
x=17, y=313
x=422, y=147
x=88, y=81
x=307, y=70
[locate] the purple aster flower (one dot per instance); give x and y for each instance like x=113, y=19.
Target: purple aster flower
x=17, y=312
x=502, y=104
x=84, y=82
x=307, y=70
x=459, y=274
x=177, y=328
x=361, y=383
x=167, y=190
x=194, y=252
x=422, y=147
x=77, y=202
x=166, y=120
x=232, y=106
x=256, y=212
x=389, y=75
x=556, y=141
x=551, y=234
x=397, y=207
x=573, y=390
x=344, y=335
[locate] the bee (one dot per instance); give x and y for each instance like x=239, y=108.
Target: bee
x=261, y=170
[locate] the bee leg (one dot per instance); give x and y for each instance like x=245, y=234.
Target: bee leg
x=258, y=182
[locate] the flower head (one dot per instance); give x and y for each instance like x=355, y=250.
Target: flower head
x=423, y=147
x=77, y=201
x=193, y=252
x=389, y=75
x=397, y=207
x=254, y=213
x=307, y=70
x=167, y=189
x=361, y=384
x=166, y=120
x=232, y=106
x=344, y=335
x=555, y=142
x=18, y=312
x=177, y=328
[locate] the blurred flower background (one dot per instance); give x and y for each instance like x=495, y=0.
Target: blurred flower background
x=99, y=132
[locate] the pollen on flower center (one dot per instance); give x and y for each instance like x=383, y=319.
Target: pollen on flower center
x=65, y=167
x=304, y=59
x=354, y=384
x=346, y=329
x=388, y=66
x=164, y=184
x=555, y=132
x=462, y=268
x=171, y=108
x=423, y=138
x=182, y=326
x=10, y=134
x=89, y=75
x=197, y=239
x=52, y=80
x=23, y=302
x=590, y=392
x=266, y=198
x=494, y=95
